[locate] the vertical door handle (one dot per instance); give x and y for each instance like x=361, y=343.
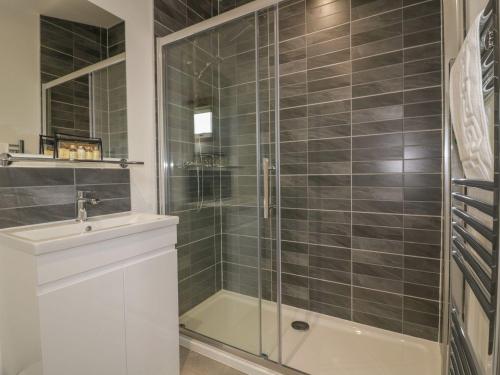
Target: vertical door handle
x=265, y=167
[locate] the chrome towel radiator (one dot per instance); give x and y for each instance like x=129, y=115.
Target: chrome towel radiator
x=477, y=263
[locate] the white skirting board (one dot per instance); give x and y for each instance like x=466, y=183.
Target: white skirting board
x=224, y=357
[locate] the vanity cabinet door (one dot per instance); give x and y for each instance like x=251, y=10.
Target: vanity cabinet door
x=83, y=327
x=151, y=312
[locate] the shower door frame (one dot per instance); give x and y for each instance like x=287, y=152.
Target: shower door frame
x=163, y=168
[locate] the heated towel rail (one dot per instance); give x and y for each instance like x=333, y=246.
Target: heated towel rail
x=476, y=258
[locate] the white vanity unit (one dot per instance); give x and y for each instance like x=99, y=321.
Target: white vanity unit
x=91, y=298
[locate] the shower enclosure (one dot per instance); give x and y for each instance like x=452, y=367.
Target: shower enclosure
x=310, y=215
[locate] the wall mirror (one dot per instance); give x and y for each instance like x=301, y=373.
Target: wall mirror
x=62, y=80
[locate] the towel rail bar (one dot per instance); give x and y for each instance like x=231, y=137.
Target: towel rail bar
x=474, y=264
x=471, y=281
x=481, y=206
x=462, y=346
x=470, y=240
x=474, y=223
x=481, y=184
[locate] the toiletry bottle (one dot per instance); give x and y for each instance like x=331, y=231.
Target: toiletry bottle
x=89, y=154
x=96, y=153
x=61, y=152
x=72, y=152
x=81, y=153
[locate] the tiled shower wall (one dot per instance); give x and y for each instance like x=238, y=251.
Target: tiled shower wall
x=199, y=233
x=360, y=86
x=194, y=193
x=174, y=15
x=361, y=160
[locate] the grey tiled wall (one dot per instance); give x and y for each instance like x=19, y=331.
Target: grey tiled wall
x=174, y=15
x=39, y=195
x=64, y=48
x=199, y=237
x=116, y=39
x=110, y=110
x=361, y=160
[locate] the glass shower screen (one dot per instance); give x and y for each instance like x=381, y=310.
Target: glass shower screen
x=218, y=115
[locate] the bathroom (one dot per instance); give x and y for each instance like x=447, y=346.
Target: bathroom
x=205, y=187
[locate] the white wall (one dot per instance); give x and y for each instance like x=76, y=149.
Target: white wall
x=139, y=23
x=19, y=76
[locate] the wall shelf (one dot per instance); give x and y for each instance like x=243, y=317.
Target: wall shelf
x=8, y=159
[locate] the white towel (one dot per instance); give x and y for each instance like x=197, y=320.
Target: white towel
x=468, y=113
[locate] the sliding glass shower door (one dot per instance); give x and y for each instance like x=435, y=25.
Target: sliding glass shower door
x=220, y=172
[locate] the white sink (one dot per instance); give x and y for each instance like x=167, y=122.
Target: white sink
x=43, y=238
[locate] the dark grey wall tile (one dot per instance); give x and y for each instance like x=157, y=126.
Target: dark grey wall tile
x=37, y=196
x=20, y=177
x=363, y=8
x=110, y=206
x=373, y=308
x=14, y=217
x=387, y=246
x=111, y=191
x=422, y=331
x=101, y=176
x=324, y=308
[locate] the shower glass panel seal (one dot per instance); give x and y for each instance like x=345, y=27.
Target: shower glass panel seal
x=162, y=129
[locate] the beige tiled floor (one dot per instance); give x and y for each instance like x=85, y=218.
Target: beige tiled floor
x=195, y=364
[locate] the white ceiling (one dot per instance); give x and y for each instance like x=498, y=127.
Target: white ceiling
x=82, y=11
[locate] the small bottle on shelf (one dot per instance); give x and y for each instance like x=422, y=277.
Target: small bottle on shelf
x=73, y=154
x=96, y=153
x=63, y=153
x=89, y=155
x=80, y=153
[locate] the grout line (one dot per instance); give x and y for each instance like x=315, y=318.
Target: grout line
x=37, y=206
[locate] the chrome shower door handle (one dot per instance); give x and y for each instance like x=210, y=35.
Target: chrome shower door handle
x=265, y=167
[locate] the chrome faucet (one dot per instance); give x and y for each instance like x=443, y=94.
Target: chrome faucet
x=82, y=199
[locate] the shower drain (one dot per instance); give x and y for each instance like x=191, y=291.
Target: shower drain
x=300, y=325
